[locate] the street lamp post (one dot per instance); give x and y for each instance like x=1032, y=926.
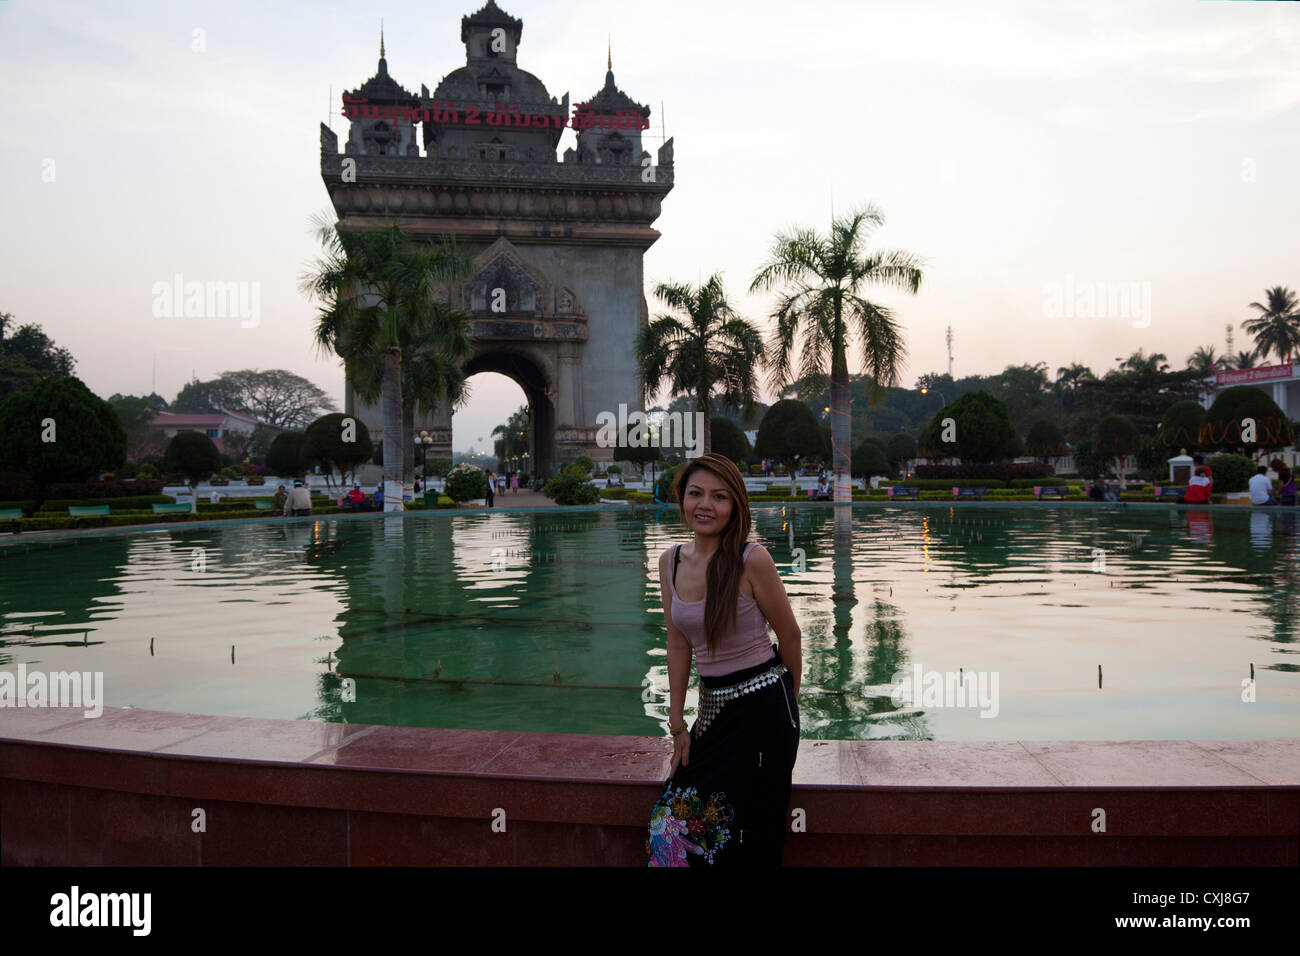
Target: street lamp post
x=925, y=391
x=422, y=442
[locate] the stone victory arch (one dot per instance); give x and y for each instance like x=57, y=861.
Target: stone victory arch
x=556, y=297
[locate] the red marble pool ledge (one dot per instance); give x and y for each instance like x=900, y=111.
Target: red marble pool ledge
x=123, y=789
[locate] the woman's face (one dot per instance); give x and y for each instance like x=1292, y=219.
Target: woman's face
x=707, y=503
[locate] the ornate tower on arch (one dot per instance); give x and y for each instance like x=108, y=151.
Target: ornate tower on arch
x=557, y=292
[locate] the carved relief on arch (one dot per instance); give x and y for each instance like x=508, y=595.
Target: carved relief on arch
x=567, y=304
x=523, y=289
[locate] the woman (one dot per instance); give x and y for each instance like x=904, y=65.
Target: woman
x=1286, y=491
x=491, y=488
x=514, y=482
x=728, y=791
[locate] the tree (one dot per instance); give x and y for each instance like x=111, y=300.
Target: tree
x=729, y=441
x=382, y=315
x=1181, y=427
x=869, y=460
x=58, y=430
x=28, y=355
x=1141, y=388
x=980, y=431
x=822, y=277
x=1027, y=393
x=285, y=456
x=713, y=350
x=194, y=455
x=1240, y=361
x=1088, y=461
x=1117, y=438
x=1277, y=327
x=512, y=439
x=900, y=450
x=1204, y=362
x=787, y=433
x=277, y=397
x=1243, y=419
x=337, y=442
x=207, y=398
x=1045, y=440
x=1066, y=386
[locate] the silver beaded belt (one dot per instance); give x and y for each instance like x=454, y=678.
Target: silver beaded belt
x=712, y=699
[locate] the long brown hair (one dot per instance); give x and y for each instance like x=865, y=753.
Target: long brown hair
x=725, y=567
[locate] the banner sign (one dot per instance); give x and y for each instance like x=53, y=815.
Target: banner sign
x=1244, y=376
x=583, y=116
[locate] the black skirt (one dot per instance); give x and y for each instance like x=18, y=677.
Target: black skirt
x=728, y=805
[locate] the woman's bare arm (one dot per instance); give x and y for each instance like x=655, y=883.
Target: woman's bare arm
x=770, y=596
x=679, y=648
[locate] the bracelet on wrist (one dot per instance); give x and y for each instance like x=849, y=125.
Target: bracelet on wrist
x=677, y=730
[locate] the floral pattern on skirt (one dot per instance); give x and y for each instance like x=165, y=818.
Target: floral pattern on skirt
x=682, y=822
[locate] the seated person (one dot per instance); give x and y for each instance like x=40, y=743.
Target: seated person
x=822, y=492
x=378, y=497
x=1198, y=489
x=1286, y=492
x=1097, y=490
x=1261, y=489
x=355, y=499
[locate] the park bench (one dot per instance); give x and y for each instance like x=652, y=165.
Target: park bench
x=264, y=505
x=86, y=511
x=12, y=515
x=976, y=493
x=173, y=509
x=1050, y=491
x=1168, y=494
x=898, y=491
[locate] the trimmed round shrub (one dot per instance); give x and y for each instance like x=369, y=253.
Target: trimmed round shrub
x=571, y=487
x=584, y=462
x=1224, y=429
x=869, y=459
x=1231, y=473
x=192, y=454
x=1181, y=427
x=465, y=482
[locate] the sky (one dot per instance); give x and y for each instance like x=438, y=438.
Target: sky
x=1036, y=156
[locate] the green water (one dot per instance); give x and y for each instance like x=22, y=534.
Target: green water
x=437, y=630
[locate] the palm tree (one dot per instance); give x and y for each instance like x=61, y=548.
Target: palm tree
x=1203, y=361
x=1137, y=362
x=1277, y=327
x=715, y=350
x=378, y=289
x=511, y=439
x=823, y=276
x=1066, y=386
x=1241, y=360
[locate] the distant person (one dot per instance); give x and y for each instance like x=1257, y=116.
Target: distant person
x=1097, y=490
x=822, y=492
x=1198, y=462
x=298, y=503
x=215, y=497
x=417, y=486
x=378, y=497
x=1198, y=489
x=355, y=499
x=1261, y=489
x=514, y=482
x=491, y=493
x=281, y=495
x=1286, y=492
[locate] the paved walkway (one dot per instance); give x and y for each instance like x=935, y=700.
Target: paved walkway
x=523, y=499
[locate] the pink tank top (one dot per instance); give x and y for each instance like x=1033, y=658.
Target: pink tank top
x=747, y=645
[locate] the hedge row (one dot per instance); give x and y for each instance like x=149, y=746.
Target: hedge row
x=132, y=503
x=1005, y=471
